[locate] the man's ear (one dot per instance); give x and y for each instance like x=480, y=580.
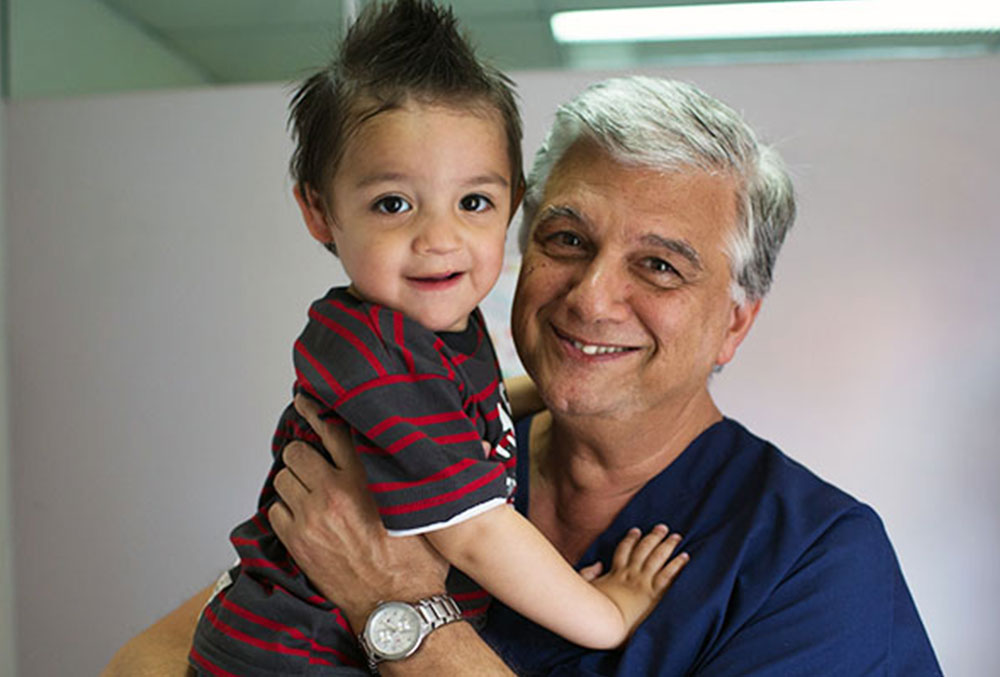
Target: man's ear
x=741, y=318
x=314, y=213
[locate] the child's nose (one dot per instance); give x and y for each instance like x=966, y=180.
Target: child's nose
x=438, y=235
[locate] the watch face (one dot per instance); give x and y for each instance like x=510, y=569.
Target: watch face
x=394, y=630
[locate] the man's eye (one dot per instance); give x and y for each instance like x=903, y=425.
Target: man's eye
x=475, y=203
x=567, y=239
x=659, y=266
x=660, y=272
x=392, y=204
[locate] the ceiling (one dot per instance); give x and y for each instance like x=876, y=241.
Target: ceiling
x=230, y=41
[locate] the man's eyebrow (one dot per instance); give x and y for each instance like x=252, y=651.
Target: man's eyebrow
x=560, y=211
x=680, y=247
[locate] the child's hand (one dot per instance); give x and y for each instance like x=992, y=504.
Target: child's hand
x=641, y=571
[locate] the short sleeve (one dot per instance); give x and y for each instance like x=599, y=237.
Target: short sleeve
x=834, y=613
x=412, y=418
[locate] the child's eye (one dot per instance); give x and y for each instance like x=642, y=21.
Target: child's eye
x=475, y=203
x=392, y=204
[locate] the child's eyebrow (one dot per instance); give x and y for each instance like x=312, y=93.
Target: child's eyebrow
x=491, y=177
x=388, y=177
x=382, y=177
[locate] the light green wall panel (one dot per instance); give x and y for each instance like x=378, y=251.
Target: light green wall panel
x=61, y=47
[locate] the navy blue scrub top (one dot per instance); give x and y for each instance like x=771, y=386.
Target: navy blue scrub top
x=788, y=576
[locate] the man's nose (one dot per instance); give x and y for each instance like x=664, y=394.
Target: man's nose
x=598, y=292
x=437, y=234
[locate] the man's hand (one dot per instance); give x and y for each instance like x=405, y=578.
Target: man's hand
x=328, y=521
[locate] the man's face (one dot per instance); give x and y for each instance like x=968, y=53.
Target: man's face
x=623, y=304
x=420, y=206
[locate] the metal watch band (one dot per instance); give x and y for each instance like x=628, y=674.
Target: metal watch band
x=438, y=610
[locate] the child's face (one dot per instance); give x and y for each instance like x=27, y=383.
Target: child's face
x=420, y=205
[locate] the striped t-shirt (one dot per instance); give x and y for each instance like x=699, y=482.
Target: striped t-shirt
x=419, y=404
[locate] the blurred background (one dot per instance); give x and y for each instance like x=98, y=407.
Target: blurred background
x=154, y=273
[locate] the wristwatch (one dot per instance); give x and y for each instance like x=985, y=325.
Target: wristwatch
x=396, y=629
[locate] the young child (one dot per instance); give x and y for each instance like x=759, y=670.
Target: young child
x=408, y=167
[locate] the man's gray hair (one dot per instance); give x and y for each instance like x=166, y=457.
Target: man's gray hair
x=672, y=126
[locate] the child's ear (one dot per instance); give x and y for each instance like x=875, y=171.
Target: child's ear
x=516, y=198
x=313, y=212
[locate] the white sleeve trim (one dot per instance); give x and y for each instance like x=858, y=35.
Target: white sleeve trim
x=457, y=519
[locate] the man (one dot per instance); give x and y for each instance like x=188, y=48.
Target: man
x=653, y=219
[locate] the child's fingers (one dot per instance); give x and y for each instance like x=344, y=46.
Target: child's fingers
x=623, y=552
x=661, y=553
x=668, y=573
x=591, y=571
x=647, y=544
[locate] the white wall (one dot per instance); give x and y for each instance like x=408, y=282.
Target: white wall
x=158, y=273
x=7, y=653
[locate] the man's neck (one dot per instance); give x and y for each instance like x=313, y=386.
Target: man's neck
x=584, y=471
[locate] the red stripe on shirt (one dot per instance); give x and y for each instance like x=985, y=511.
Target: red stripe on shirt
x=450, y=471
x=389, y=380
x=443, y=498
x=413, y=437
x=256, y=563
x=439, y=346
x=397, y=325
x=351, y=338
x=465, y=596
x=406, y=441
x=209, y=667
x=458, y=438
x=430, y=419
x=253, y=542
x=337, y=389
x=274, y=626
x=485, y=392
x=359, y=316
x=373, y=313
x=273, y=647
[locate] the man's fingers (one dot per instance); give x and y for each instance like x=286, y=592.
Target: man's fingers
x=336, y=439
x=280, y=517
x=290, y=488
x=305, y=463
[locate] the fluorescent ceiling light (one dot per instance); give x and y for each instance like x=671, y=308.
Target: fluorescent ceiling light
x=776, y=19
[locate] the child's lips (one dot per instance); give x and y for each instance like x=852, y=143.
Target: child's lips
x=437, y=281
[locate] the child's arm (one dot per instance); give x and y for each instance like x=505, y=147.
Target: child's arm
x=505, y=554
x=523, y=396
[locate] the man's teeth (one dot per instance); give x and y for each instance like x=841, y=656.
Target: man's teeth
x=587, y=349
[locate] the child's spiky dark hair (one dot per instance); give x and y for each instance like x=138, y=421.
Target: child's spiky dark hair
x=394, y=51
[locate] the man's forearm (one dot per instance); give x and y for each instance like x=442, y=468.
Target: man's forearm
x=161, y=650
x=454, y=650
